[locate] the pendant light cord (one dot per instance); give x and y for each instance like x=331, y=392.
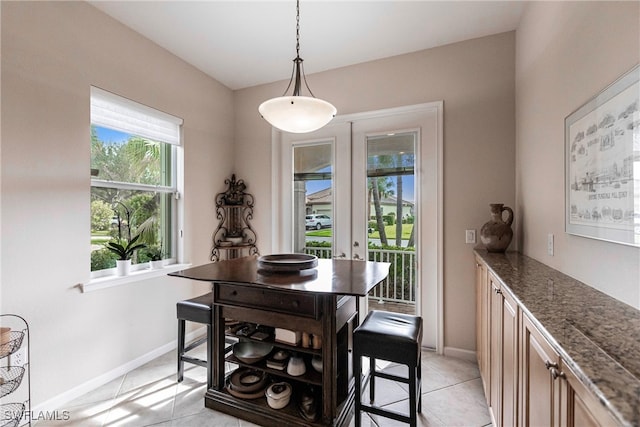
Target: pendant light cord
x=297, y=28
x=297, y=74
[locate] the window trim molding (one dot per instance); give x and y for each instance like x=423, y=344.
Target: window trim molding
x=111, y=281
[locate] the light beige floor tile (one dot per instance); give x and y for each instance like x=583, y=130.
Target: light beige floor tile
x=189, y=399
x=386, y=392
x=150, y=396
x=457, y=369
x=146, y=375
x=209, y=418
x=90, y=415
x=145, y=405
x=459, y=405
x=100, y=394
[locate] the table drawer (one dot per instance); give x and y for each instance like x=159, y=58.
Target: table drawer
x=298, y=303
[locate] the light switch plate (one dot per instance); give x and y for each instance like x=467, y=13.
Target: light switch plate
x=550, y=244
x=470, y=236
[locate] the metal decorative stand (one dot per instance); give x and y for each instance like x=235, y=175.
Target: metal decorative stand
x=234, y=237
x=15, y=375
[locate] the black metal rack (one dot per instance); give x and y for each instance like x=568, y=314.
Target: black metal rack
x=15, y=375
x=234, y=237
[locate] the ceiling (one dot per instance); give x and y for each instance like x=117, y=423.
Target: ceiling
x=247, y=43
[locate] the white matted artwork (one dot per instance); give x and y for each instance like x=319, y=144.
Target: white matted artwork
x=602, y=164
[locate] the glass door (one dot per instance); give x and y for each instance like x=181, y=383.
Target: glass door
x=313, y=198
x=368, y=187
x=315, y=186
x=391, y=221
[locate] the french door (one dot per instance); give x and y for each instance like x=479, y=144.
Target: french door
x=368, y=187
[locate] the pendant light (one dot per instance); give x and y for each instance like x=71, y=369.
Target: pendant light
x=295, y=113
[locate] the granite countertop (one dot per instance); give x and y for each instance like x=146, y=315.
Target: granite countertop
x=595, y=334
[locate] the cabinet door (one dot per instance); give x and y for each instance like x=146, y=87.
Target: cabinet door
x=580, y=408
x=482, y=323
x=504, y=332
x=510, y=335
x=540, y=393
x=495, y=339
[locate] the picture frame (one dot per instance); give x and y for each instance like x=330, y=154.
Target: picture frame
x=602, y=164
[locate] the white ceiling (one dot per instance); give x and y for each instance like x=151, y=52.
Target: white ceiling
x=246, y=43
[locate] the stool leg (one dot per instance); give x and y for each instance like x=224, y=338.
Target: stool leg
x=419, y=384
x=372, y=379
x=209, y=343
x=357, y=373
x=180, y=349
x=413, y=419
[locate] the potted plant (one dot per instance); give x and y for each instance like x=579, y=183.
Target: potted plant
x=155, y=255
x=125, y=249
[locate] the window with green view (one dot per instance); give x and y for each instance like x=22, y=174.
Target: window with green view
x=133, y=181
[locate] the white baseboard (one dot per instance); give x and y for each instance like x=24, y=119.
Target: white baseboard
x=65, y=397
x=461, y=354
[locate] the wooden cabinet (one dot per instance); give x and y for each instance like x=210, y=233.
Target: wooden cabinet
x=510, y=340
x=331, y=317
x=503, y=354
x=482, y=323
x=578, y=406
x=539, y=365
x=525, y=380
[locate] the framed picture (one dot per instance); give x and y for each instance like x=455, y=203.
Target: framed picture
x=602, y=164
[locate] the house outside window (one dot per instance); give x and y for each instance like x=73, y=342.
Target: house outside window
x=134, y=175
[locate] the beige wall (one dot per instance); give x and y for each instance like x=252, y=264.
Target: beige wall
x=476, y=81
x=51, y=53
x=566, y=53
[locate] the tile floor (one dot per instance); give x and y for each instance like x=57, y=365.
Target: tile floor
x=150, y=396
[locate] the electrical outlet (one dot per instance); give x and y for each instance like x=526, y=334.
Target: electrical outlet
x=550, y=244
x=470, y=236
x=19, y=357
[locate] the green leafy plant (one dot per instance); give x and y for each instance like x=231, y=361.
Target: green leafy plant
x=125, y=248
x=154, y=253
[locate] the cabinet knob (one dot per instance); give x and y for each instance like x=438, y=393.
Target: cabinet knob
x=295, y=304
x=498, y=291
x=556, y=373
x=234, y=293
x=550, y=365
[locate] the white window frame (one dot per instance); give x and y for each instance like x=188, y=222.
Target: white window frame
x=115, y=112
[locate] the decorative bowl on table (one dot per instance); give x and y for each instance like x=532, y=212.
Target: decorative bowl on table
x=287, y=263
x=251, y=352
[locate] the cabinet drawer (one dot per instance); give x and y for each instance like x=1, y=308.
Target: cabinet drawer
x=267, y=299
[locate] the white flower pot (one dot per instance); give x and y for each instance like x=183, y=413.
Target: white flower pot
x=157, y=265
x=123, y=267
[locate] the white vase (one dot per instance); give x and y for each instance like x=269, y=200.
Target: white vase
x=123, y=267
x=157, y=265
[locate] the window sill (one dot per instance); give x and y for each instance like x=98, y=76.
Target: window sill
x=136, y=276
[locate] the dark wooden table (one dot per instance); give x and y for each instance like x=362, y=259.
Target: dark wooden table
x=322, y=301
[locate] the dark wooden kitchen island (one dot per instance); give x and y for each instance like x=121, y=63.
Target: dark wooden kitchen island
x=322, y=301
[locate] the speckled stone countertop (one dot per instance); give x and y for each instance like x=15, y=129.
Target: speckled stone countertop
x=595, y=334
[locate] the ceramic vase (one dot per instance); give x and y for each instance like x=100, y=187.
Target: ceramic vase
x=123, y=267
x=496, y=234
x=157, y=265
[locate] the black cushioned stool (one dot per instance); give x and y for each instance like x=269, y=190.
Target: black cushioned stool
x=396, y=338
x=197, y=310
